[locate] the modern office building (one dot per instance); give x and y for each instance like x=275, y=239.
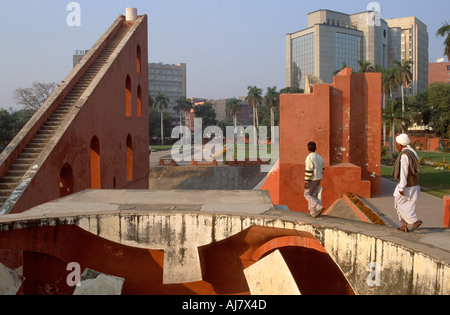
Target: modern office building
x=168, y=78
x=414, y=47
x=439, y=72
x=333, y=39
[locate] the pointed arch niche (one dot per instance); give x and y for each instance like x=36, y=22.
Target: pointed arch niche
x=128, y=97
x=129, y=158
x=66, y=181
x=138, y=60
x=139, y=102
x=95, y=163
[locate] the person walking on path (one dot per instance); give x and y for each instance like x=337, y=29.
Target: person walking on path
x=406, y=170
x=314, y=168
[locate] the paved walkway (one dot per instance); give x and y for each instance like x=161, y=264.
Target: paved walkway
x=429, y=208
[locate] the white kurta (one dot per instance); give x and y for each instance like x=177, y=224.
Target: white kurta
x=406, y=205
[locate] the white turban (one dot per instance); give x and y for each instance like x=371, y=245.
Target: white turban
x=403, y=139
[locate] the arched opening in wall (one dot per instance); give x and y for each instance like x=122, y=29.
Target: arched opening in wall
x=66, y=181
x=139, y=102
x=312, y=268
x=128, y=97
x=138, y=60
x=95, y=163
x=129, y=158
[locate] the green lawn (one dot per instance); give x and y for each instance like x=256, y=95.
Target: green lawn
x=432, y=181
x=434, y=156
x=161, y=147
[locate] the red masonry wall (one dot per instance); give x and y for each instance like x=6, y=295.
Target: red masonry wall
x=344, y=119
x=104, y=117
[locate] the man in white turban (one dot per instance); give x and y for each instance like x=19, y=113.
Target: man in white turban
x=406, y=170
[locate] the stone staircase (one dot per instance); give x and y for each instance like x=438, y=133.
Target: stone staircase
x=14, y=175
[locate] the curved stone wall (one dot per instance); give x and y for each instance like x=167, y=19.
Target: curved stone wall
x=374, y=259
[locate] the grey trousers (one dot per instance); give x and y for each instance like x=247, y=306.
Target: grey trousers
x=311, y=195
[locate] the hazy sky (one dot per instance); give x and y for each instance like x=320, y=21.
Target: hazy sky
x=226, y=44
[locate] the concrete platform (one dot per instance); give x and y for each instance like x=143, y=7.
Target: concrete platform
x=429, y=208
x=182, y=221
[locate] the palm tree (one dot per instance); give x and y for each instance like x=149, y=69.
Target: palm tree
x=445, y=29
x=365, y=66
x=385, y=88
x=344, y=65
x=234, y=107
x=392, y=115
x=272, y=100
x=404, y=77
x=188, y=105
x=179, y=108
x=445, y=148
x=162, y=102
x=254, y=99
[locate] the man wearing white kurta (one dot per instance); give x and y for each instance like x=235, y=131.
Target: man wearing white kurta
x=406, y=194
x=314, y=168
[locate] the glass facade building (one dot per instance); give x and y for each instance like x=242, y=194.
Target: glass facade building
x=333, y=38
x=302, y=58
x=168, y=78
x=348, y=50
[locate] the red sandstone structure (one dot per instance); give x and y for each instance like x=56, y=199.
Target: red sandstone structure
x=94, y=135
x=439, y=72
x=344, y=120
x=91, y=133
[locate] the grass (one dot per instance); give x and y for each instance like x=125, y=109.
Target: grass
x=432, y=181
x=161, y=147
x=434, y=156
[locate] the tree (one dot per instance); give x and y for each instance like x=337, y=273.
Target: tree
x=419, y=109
x=393, y=116
x=439, y=105
x=445, y=30
x=365, y=66
x=155, y=123
x=344, y=65
x=11, y=124
x=6, y=126
x=404, y=77
x=385, y=89
x=34, y=97
x=445, y=148
x=234, y=107
x=254, y=99
x=162, y=102
x=207, y=113
x=292, y=90
x=180, y=107
x=151, y=101
x=188, y=106
x=272, y=100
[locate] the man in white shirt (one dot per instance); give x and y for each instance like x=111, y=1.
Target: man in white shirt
x=314, y=168
x=406, y=194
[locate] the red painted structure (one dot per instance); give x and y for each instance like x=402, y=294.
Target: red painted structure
x=92, y=132
x=46, y=256
x=102, y=143
x=344, y=119
x=446, y=211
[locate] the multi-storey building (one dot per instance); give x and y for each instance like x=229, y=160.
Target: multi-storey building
x=333, y=39
x=439, y=72
x=414, y=47
x=168, y=78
